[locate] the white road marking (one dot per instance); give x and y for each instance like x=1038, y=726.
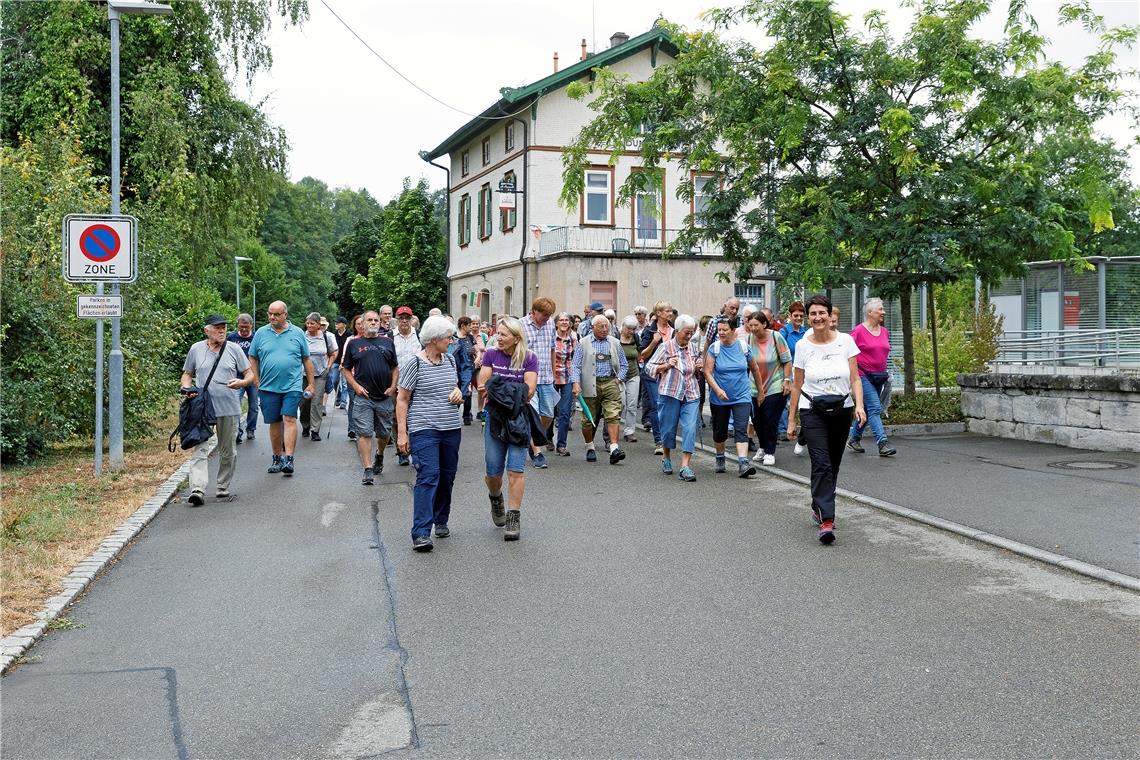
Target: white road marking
x=329, y=512
x=382, y=725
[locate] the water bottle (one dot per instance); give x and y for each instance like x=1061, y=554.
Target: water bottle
x=307, y=394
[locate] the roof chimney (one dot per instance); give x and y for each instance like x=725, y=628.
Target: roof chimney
x=618, y=38
x=583, y=50
x=556, y=63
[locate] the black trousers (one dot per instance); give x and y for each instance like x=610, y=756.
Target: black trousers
x=825, y=437
x=766, y=418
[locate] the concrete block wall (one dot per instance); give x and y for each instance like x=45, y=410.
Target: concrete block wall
x=1098, y=412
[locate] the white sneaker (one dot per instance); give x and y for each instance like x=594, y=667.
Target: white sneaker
x=799, y=449
x=769, y=459
x=759, y=456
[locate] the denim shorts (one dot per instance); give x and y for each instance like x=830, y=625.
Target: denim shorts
x=496, y=453
x=545, y=393
x=274, y=406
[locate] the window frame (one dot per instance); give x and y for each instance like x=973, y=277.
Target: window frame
x=465, y=163
x=636, y=241
x=694, y=175
x=511, y=214
x=612, y=218
x=486, y=226
x=508, y=137
x=464, y=220
x=486, y=149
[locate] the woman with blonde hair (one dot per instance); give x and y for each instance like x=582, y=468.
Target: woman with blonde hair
x=506, y=383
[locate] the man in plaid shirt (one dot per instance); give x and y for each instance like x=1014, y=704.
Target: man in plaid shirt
x=727, y=314
x=538, y=328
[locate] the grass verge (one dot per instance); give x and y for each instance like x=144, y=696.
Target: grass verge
x=56, y=512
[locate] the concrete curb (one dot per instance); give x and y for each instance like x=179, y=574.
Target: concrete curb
x=930, y=428
x=1000, y=542
x=21, y=640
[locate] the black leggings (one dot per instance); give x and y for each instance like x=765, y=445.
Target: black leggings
x=826, y=437
x=766, y=419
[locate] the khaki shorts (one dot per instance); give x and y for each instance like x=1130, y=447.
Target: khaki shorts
x=606, y=404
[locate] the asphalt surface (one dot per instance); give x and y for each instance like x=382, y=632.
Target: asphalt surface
x=639, y=616
x=1013, y=489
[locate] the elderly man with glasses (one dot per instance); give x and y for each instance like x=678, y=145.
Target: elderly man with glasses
x=279, y=356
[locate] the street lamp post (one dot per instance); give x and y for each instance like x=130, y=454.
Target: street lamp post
x=115, y=8
x=237, y=280
x=254, y=312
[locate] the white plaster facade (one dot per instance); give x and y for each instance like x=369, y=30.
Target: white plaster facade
x=565, y=257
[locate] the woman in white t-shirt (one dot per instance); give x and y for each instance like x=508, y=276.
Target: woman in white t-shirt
x=825, y=392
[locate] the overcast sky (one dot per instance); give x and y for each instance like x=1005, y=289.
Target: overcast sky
x=352, y=122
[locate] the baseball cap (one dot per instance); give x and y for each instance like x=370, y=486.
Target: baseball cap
x=596, y=306
x=215, y=319
x=404, y=310
x=341, y=321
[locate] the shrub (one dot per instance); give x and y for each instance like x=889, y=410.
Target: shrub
x=964, y=345
x=925, y=408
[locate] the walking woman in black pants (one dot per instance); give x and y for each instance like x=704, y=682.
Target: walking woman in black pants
x=825, y=392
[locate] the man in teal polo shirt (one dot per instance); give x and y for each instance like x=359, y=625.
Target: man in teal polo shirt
x=279, y=356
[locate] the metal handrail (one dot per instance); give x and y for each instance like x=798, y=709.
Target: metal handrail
x=1104, y=348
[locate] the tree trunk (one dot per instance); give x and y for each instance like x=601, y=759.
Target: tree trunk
x=908, y=342
x=934, y=337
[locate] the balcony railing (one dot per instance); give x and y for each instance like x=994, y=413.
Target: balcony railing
x=1068, y=348
x=619, y=241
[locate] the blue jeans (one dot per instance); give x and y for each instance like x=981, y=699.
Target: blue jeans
x=332, y=380
x=672, y=412
x=342, y=389
x=652, y=404
x=435, y=454
x=563, y=411
x=250, y=424
x=874, y=409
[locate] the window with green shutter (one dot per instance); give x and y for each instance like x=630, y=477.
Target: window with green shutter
x=464, y=220
x=485, y=226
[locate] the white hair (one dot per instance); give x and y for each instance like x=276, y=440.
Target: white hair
x=640, y=310
x=748, y=309
x=610, y=314
x=629, y=323
x=436, y=327
x=598, y=318
x=871, y=304
x=684, y=322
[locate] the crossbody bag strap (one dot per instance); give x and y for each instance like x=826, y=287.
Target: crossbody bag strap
x=213, y=369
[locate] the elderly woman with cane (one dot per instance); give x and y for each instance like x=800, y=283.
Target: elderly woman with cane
x=674, y=365
x=428, y=409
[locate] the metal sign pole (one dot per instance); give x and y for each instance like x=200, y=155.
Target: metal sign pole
x=115, y=405
x=98, y=389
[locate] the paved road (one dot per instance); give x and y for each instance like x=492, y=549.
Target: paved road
x=638, y=617
x=1010, y=488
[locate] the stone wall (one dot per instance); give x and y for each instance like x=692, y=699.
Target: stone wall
x=1099, y=412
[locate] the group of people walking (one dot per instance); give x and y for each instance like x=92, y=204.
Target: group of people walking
x=803, y=379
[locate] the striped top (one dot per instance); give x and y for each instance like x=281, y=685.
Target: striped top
x=677, y=383
x=430, y=385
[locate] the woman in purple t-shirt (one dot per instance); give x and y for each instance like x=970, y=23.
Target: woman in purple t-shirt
x=510, y=360
x=874, y=342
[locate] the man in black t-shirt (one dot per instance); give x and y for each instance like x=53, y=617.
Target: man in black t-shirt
x=371, y=370
x=243, y=337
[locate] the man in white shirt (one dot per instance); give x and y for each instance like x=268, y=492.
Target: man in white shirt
x=407, y=346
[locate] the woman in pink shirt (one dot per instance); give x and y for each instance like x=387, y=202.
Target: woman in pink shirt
x=874, y=342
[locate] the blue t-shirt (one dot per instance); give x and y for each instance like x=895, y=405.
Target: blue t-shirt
x=280, y=356
x=731, y=373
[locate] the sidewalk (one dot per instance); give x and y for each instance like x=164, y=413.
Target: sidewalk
x=1061, y=500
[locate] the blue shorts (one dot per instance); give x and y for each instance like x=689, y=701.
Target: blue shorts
x=496, y=453
x=274, y=406
x=545, y=393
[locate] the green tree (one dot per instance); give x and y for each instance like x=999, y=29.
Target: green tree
x=352, y=253
x=926, y=158
x=410, y=266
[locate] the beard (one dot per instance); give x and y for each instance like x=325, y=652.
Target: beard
x=372, y=332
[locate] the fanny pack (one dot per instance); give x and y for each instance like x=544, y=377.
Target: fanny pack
x=827, y=406
x=877, y=379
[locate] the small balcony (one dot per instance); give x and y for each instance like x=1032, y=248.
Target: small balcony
x=616, y=241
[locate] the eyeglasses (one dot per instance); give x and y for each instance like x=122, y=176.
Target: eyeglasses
x=277, y=313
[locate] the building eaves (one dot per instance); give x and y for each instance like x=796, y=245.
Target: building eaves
x=516, y=99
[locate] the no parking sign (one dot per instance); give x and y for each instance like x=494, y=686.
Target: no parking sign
x=100, y=248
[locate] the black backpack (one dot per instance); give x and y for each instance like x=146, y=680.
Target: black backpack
x=196, y=418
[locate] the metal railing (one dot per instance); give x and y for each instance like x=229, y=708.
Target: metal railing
x=620, y=241
x=1071, y=348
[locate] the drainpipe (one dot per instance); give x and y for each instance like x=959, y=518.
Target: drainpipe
x=424, y=156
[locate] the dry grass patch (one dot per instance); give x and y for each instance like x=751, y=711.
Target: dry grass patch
x=56, y=512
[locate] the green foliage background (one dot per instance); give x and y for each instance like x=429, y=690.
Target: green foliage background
x=204, y=172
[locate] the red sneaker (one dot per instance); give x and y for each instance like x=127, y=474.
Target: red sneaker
x=827, y=532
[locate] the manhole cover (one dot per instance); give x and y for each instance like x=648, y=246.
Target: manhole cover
x=1102, y=464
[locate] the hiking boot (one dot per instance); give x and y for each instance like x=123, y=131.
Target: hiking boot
x=616, y=455
x=378, y=464
x=367, y=480
x=686, y=474
x=512, y=532
x=540, y=462
x=315, y=436
x=666, y=467
x=278, y=461
x=467, y=421
x=304, y=432
x=827, y=531
x=886, y=449
x=563, y=452
x=746, y=469
x=855, y=446
x=422, y=544
x=249, y=435
x=720, y=460
x=498, y=513
x=403, y=460
x=287, y=465
x=240, y=437
x=591, y=455
x=442, y=531
x=196, y=498
x=658, y=449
